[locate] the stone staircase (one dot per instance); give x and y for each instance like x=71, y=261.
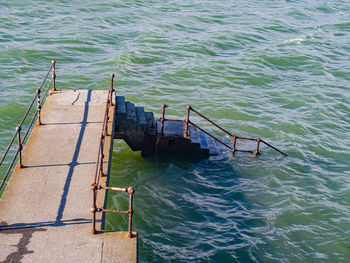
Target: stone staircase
x=143, y=133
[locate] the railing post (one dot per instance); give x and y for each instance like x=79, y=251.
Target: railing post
x=131, y=191
x=257, y=147
x=38, y=106
x=187, y=120
x=234, y=144
x=93, y=208
x=20, y=146
x=111, y=90
x=54, y=74
x=162, y=121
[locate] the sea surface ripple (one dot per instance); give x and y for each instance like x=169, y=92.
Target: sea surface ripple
x=278, y=70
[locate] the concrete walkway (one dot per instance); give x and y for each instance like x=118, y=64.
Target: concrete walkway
x=45, y=209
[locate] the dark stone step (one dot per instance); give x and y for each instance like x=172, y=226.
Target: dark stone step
x=150, y=124
x=120, y=102
x=130, y=111
x=171, y=128
x=195, y=141
x=142, y=132
x=213, y=150
x=204, y=144
x=203, y=140
x=121, y=122
x=140, y=116
x=149, y=143
x=194, y=135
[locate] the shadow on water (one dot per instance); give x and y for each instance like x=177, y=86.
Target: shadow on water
x=185, y=209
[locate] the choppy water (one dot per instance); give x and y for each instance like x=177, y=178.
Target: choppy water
x=278, y=70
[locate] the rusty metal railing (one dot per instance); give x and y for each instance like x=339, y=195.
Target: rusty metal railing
x=19, y=129
x=162, y=119
x=96, y=186
x=235, y=137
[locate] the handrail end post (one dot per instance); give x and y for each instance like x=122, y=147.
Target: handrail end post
x=20, y=164
x=187, y=121
x=19, y=146
x=164, y=106
x=111, y=89
x=256, y=152
x=131, y=191
x=234, y=145
x=130, y=235
x=38, y=108
x=53, y=62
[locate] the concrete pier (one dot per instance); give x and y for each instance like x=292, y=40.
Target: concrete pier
x=45, y=209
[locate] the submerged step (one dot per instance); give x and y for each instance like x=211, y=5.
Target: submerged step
x=194, y=135
x=204, y=144
x=213, y=150
x=195, y=141
x=203, y=140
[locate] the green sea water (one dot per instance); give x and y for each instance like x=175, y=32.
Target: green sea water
x=279, y=70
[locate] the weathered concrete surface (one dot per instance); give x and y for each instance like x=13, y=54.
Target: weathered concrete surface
x=45, y=209
x=114, y=246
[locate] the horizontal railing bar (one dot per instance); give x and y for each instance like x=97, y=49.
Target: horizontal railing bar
x=47, y=90
x=273, y=147
x=211, y=122
x=101, y=147
x=9, y=169
x=98, y=164
x=234, y=136
x=29, y=108
x=23, y=119
x=249, y=139
x=103, y=134
x=114, y=211
x=29, y=127
x=47, y=74
x=19, y=127
x=173, y=120
x=120, y=189
x=36, y=95
x=8, y=147
x=98, y=167
x=219, y=127
x=209, y=134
